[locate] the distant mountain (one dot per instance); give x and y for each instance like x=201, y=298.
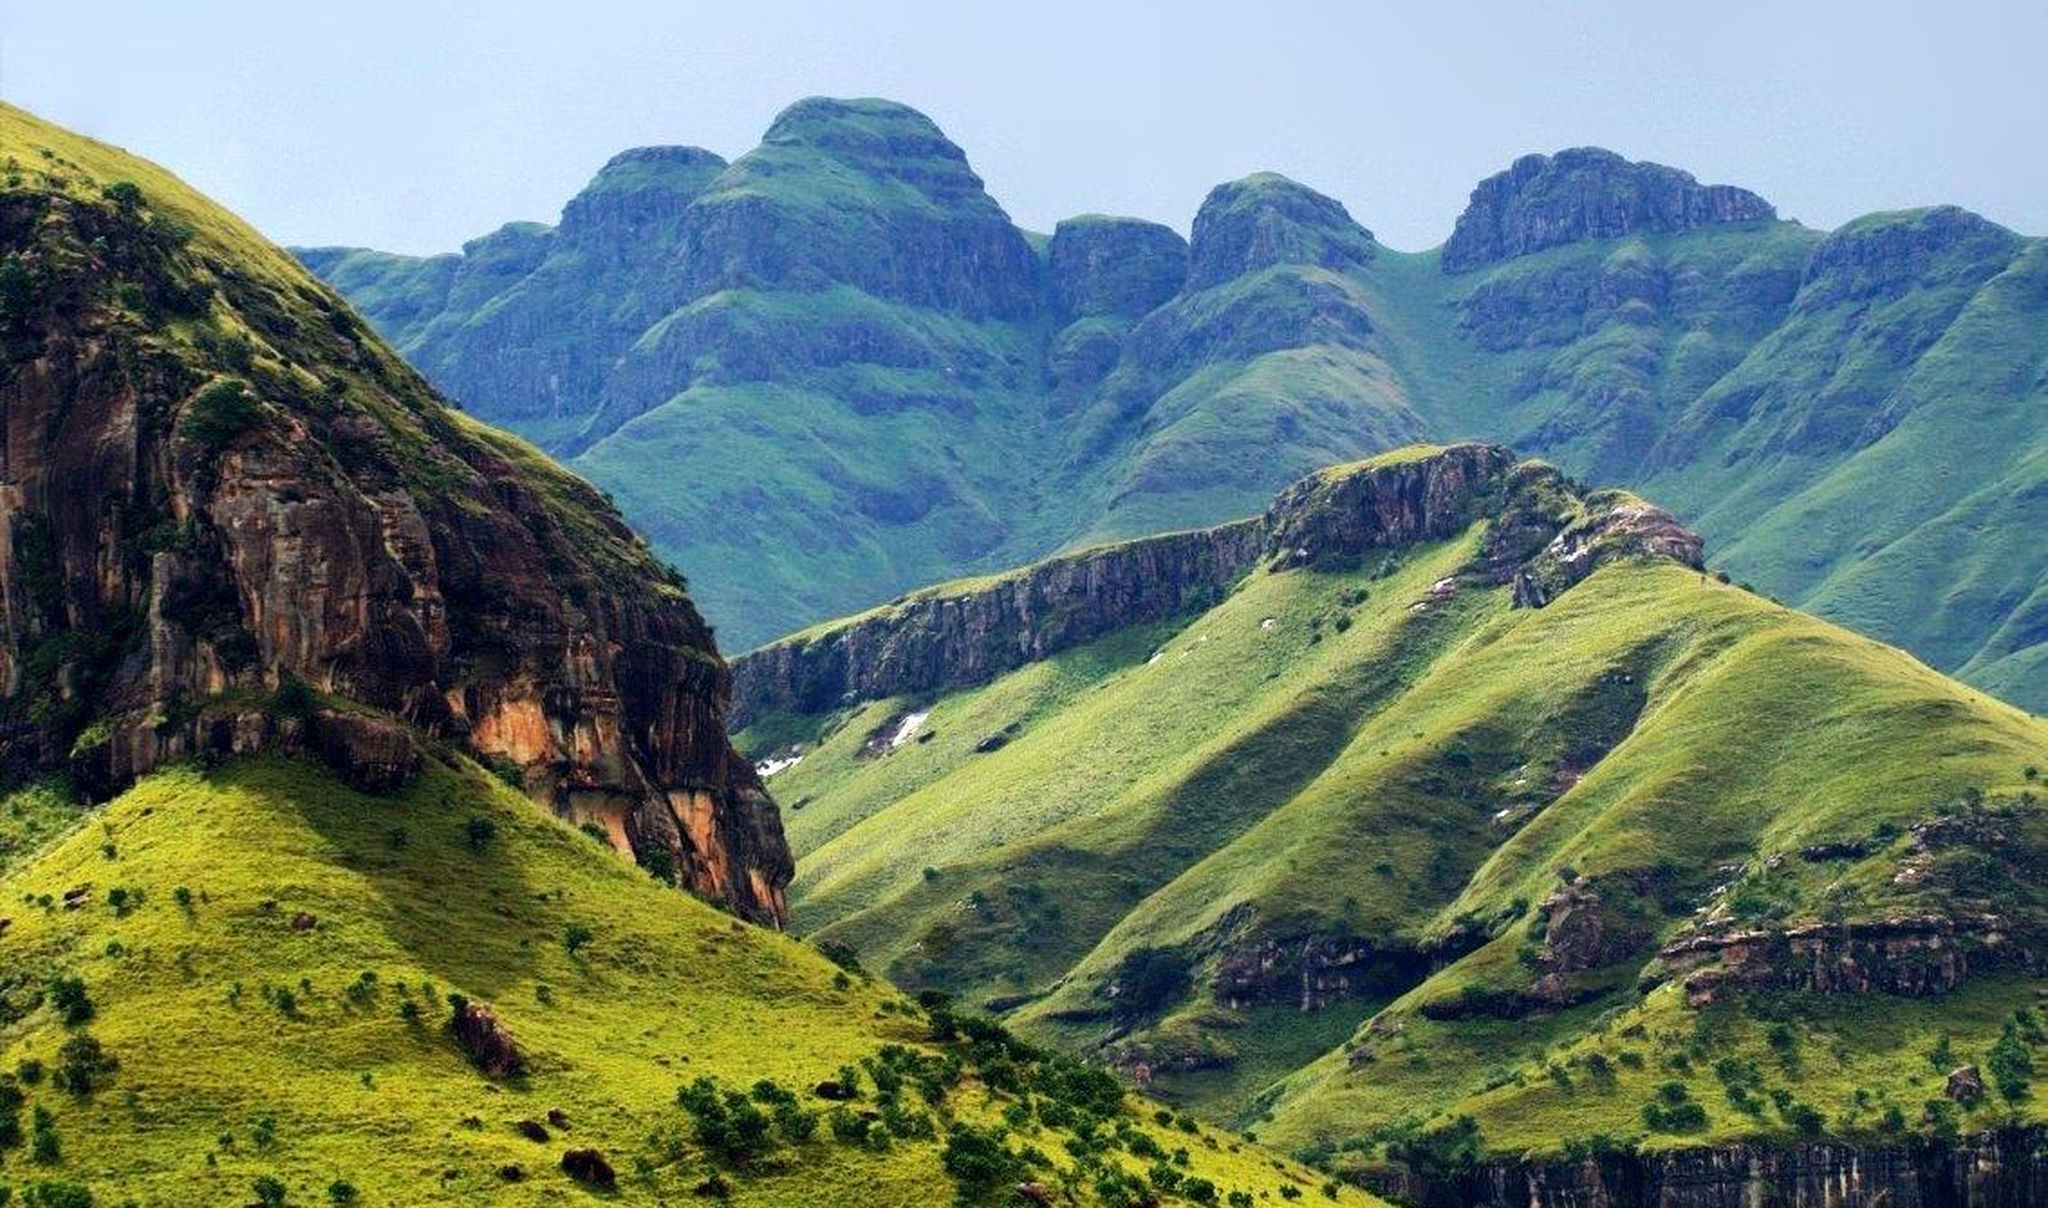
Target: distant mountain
x=1447, y=825
x=355, y=759
x=833, y=370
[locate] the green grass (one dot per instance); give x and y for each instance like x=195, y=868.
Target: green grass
x=267, y=876
x=31, y=817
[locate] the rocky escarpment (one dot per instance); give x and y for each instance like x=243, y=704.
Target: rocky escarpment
x=943, y=639
x=1914, y=955
x=1547, y=537
x=1544, y=201
x=2003, y=1168
x=228, y=516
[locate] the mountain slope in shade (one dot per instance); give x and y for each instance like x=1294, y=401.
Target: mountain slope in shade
x=1830, y=409
x=1444, y=789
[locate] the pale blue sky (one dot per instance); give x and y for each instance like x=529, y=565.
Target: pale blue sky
x=413, y=126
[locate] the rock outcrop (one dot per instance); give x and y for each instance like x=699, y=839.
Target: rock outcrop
x=2004, y=1168
x=487, y=1041
x=280, y=516
x=1547, y=537
x=1544, y=201
x=1917, y=955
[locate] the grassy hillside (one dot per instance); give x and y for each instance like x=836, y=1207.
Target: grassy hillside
x=1364, y=851
x=266, y=962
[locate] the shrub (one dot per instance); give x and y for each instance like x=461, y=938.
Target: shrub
x=57, y=1193
x=294, y=698
x=44, y=1148
x=72, y=1004
x=660, y=864
x=220, y=413
x=269, y=1190
x=980, y=1163
x=1148, y=979
x=2010, y=1064
x=342, y=1192
x=83, y=1065
x=124, y=193
x=479, y=832
x=576, y=937
x=727, y=1124
x=1803, y=1118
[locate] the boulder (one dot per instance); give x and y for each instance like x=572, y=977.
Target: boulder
x=588, y=1166
x=487, y=1041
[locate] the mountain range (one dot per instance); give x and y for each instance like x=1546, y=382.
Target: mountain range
x=833, y=370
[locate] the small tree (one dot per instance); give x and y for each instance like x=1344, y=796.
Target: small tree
x=270, y=1191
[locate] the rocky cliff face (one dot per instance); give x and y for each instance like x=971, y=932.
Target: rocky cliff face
x=1547, y=538
x=942, y=639
x=228, y=517
x=1544, y=201
x=1123, y=267
x=2005, y=1168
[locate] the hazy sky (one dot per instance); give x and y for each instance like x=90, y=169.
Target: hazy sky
x=413, y=126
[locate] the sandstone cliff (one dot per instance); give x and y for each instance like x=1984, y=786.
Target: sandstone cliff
x=229, y=517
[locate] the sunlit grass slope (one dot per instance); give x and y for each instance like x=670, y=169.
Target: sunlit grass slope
x=1338, y=793
x=268, y=958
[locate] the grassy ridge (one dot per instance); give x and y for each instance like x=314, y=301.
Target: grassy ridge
x=1349, y=764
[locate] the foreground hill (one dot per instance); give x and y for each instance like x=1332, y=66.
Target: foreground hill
x=255, y=973
x=833, y=370
x=1447, y=811
x=408, y=749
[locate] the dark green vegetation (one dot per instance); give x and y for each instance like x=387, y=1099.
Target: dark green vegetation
x=1371, y=860
x=382, y=709
x=833, y=370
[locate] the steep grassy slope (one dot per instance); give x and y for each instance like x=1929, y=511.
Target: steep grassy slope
x=1365, y=847
x=268, y=959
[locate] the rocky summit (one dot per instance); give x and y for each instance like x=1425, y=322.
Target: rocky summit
x=834, y=371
